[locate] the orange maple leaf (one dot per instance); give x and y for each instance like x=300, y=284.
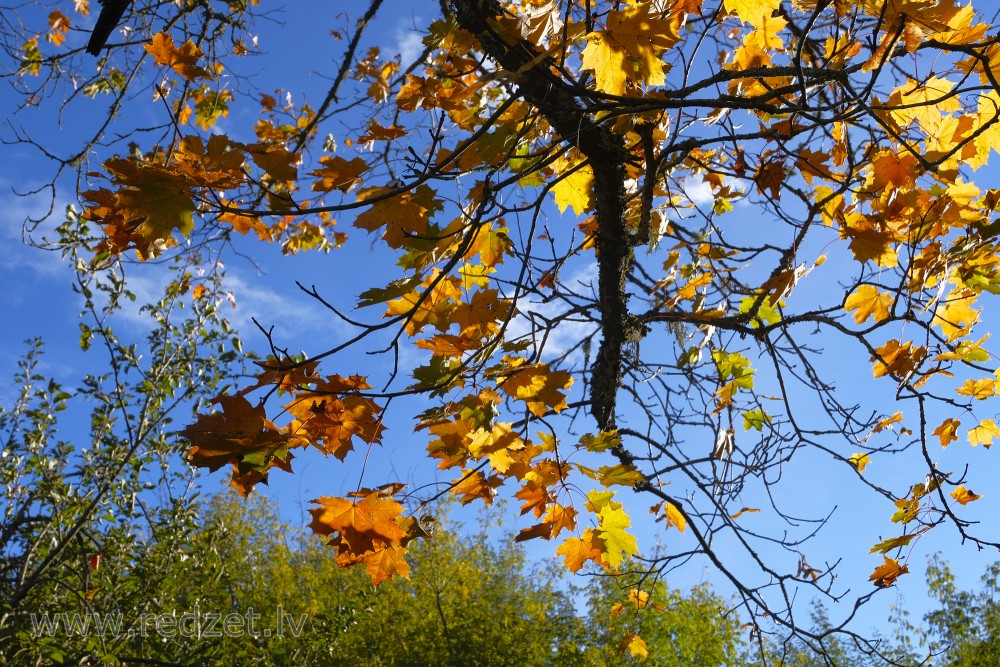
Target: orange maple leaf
x=536, y=498
x=332, y=413
x=770, y=176
x=382, y=563
x=338, y=173
x=890, y=169
x=58, y=25
x=401, y=216
x=898, y=360
x=579, y=550
x=286, y=374
x=557, y=519
x=217, y=165
x=963, y=496
x=358, y=526
x=885, y=575
x=182, y=60
x=277, y=161
x=473, y=485
x=947, y=431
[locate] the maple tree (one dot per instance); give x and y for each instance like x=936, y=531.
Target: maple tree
x=739, y=186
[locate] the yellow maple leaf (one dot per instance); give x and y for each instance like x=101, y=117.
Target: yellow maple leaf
x=988, y=135
x=754, y=12
x=924, y=102
x=767, y=32
x=575, y=190
x=639, y=598
x=906, y=510
x=623, y=474
x=888, y=545
x=607, y=61
x=675, y=518
x=617, y=543
x=629, y=48
x=979, y=389
x=966, y=351
x=538, y=386
x=984, y=433
x=860, y=461
x=838, y=51
x=955, y=315
x=635, y=645
x=867, y=302
x=598, y=500
x=491, y=245
x=888, y=422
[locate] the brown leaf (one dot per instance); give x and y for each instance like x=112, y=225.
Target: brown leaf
x=240, y=436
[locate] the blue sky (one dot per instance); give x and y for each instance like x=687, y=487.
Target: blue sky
x=39, y=302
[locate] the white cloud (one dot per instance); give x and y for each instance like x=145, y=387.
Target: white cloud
x=410, y=45
x=295, y=317
x=566, y=333
x=18, y=210
x=698, y=191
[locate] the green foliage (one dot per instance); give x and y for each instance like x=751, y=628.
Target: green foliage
x=469, y=601
x=95, y=512
x=964, y=631
x=695, y=627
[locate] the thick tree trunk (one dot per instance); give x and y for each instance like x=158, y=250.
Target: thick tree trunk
x=607, y=155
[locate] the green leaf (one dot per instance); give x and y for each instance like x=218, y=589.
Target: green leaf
x=886, y=546
x=755, y=419
x=617, y=543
